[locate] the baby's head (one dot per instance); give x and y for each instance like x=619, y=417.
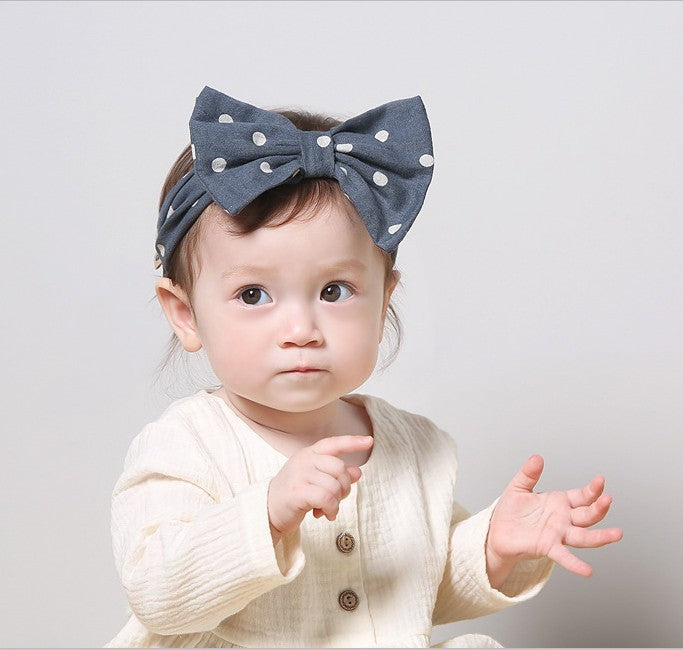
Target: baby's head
x=293, y=280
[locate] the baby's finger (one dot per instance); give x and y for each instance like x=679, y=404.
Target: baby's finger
x=527, y=477
x=336, y=445
x=589, y=515
x=328, y=483
x=354, y=473
x=322, y=499
x=586, y=495
x=337, y=469
x=565, y=558
x=582, y=538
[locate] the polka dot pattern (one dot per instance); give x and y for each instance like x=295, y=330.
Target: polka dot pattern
x=380, y=179
x=387, y=166
x=218, y=164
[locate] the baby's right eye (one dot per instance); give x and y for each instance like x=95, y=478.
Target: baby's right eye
x=253, y=295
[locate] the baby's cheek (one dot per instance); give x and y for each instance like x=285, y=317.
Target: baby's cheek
x=363, y=350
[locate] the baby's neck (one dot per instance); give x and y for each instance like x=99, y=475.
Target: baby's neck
x=299, y=429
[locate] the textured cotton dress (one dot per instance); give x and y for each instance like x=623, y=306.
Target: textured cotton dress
x=193, y=548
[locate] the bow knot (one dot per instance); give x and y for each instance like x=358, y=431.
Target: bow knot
x=317, y=154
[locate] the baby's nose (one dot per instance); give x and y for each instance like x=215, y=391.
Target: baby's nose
x=299, y=326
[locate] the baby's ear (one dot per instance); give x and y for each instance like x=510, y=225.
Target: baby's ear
x=389, y=289
x=179, y=313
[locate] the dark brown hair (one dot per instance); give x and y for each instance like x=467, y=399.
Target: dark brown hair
x=272, y=208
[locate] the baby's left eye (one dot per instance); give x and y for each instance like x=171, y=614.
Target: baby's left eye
x=332, y=292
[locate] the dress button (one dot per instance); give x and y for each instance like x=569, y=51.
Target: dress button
x=345, y=542
x=348, y=600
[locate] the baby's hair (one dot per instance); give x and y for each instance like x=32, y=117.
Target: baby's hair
x=273, y=208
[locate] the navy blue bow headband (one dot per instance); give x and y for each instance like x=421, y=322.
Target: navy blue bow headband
x=382, y=159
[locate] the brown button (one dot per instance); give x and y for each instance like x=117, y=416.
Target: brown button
x=345, y=542
x=348, y=600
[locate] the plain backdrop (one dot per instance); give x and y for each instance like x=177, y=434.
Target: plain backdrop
x=541, y=293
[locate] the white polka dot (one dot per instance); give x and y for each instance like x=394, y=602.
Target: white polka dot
x=195, y=203
x=296, y=173
x=344, y=147
x=194, y=154
x=380, y=179
x=225, y=118
x=382, y=135
x=426, y=160
x=392, y=229
x=344, y=170
x=161, y=249
x=324, y=140
x=265, y=167
x=347, y=196
x=218, y=164
x=258, y=138
x=170, y=211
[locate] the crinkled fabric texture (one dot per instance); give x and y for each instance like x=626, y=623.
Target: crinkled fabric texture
x=192, y=543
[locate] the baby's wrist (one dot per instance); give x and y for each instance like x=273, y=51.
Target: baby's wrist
x=498, y=567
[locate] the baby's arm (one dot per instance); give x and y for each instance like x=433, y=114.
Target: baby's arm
x=465, y=591
x=187, y=559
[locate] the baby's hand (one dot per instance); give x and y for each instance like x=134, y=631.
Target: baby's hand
x=528, y=524
x=313, y=478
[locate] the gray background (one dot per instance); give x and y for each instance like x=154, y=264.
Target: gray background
x=541, y=297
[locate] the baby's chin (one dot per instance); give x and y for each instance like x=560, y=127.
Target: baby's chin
x=296, y=399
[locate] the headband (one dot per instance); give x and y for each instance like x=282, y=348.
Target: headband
x=382, y=159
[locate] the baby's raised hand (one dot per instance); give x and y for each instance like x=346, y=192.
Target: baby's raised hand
x=528, y=524
x=314, y=478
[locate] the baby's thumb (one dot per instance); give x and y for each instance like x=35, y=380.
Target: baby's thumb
x=526, y=479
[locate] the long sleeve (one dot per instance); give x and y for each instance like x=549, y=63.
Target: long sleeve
x=188, y=558
x=465, y=591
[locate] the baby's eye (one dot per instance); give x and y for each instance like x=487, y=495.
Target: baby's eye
x=332, y=292
x=253, y=295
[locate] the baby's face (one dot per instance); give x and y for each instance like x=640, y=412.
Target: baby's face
x=301, y=295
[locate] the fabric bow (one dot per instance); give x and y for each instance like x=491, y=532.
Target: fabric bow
x=382, y=159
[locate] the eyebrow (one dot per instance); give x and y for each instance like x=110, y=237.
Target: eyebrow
x=338, y=266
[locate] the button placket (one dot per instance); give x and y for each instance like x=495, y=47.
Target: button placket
x=348, y=599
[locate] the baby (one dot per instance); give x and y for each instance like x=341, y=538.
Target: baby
x=283, y=510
